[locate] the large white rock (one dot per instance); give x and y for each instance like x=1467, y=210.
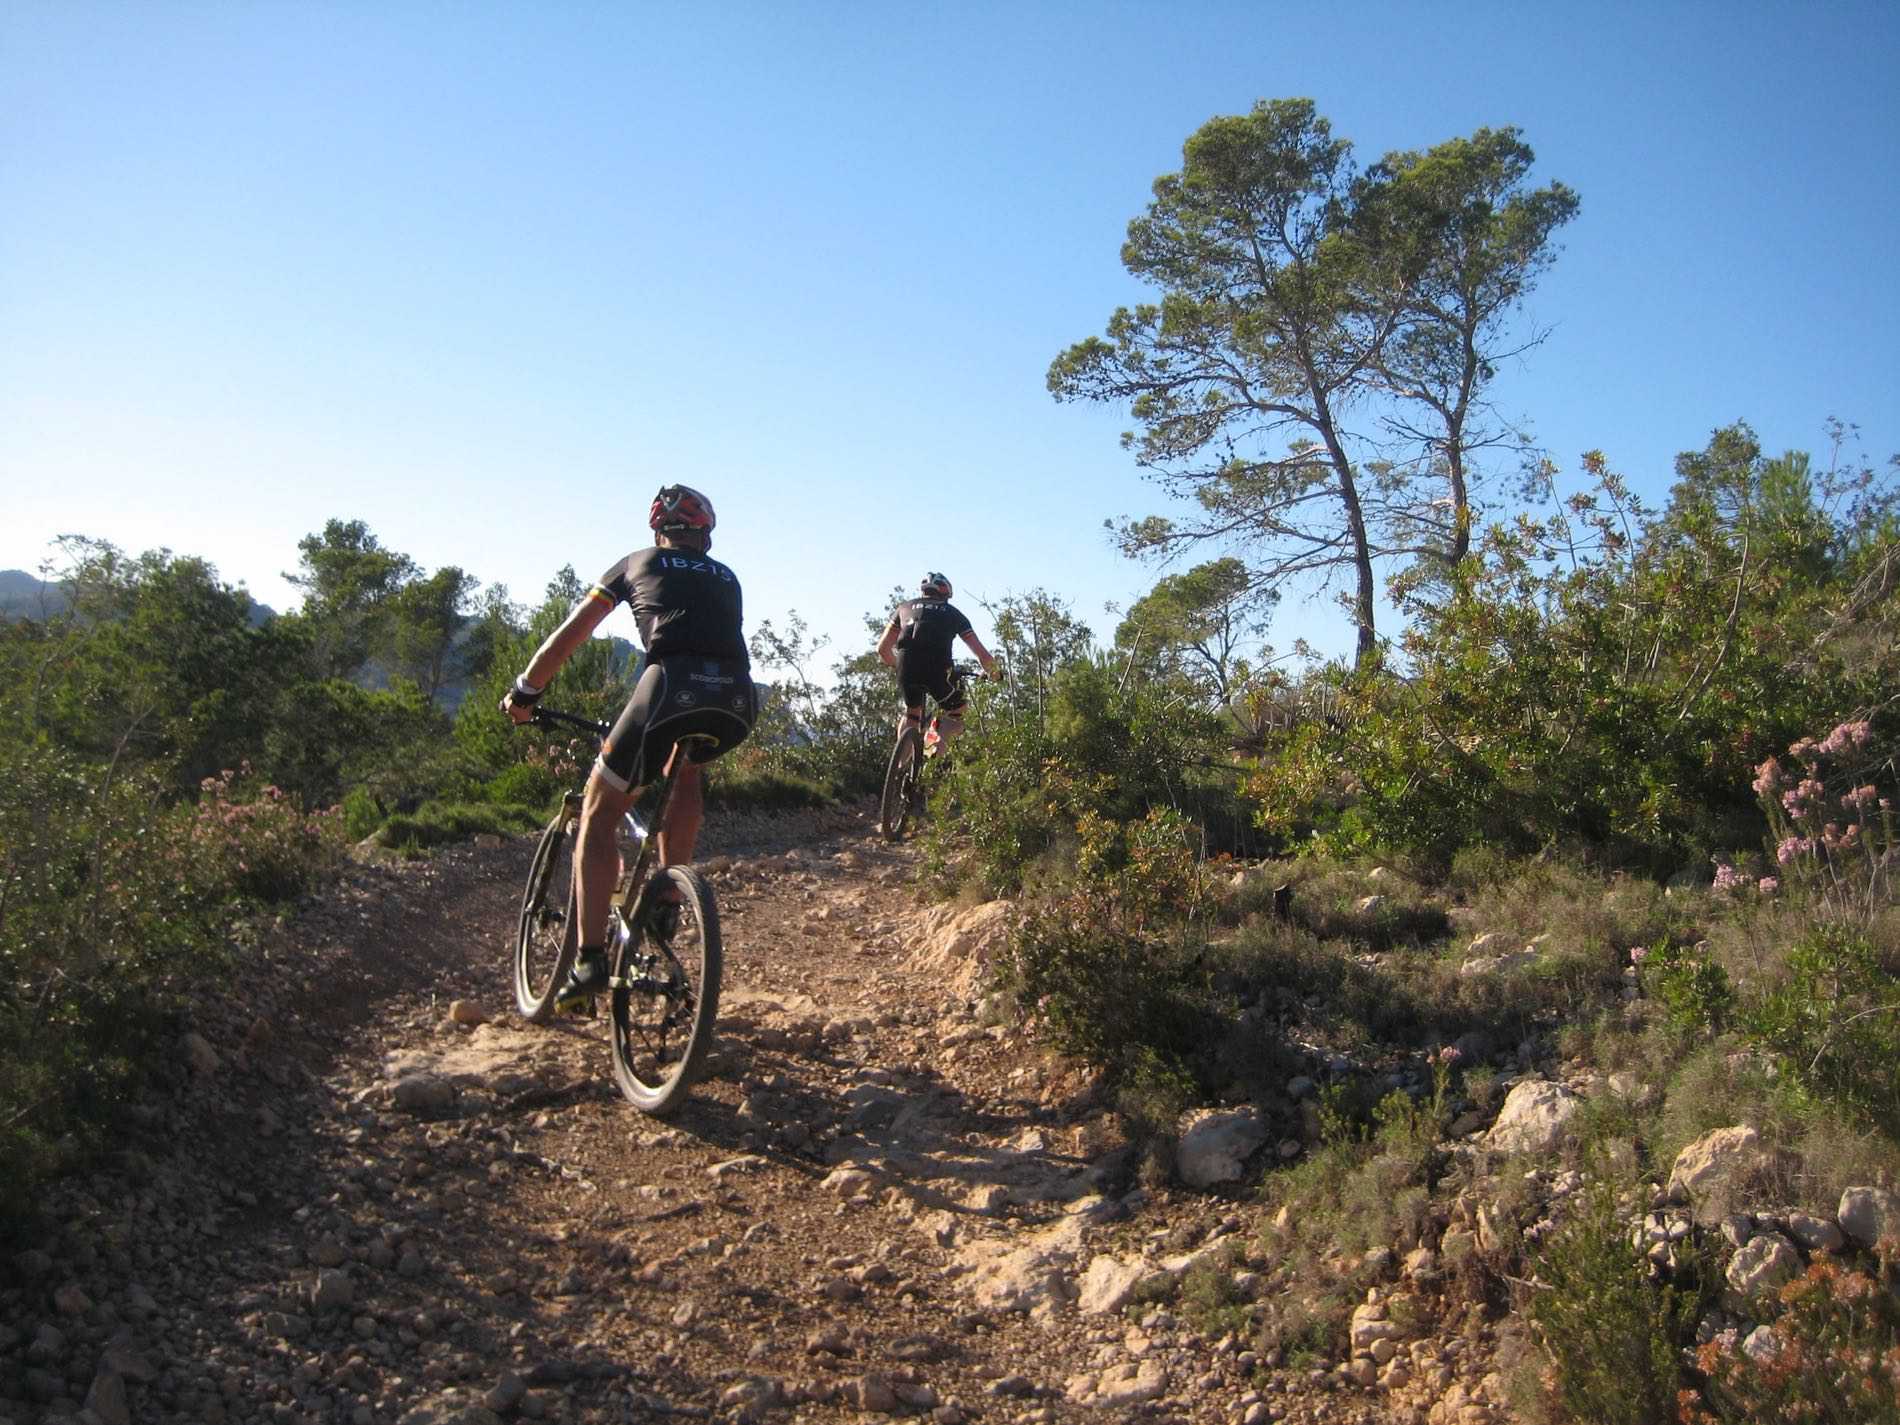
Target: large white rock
x=1109, y=1284
x=1870, y=1215
x=1034, y=1277
x=1760, y=1267
x=1121, y=1386
x=957, y=944
x=1535, y=1118
x=1215, y=1144
x=1712, y=1173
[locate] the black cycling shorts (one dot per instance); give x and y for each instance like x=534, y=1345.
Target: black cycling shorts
x=916, y=678
x=675, y=696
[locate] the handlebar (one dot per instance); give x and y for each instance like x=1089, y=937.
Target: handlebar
x=544, y=716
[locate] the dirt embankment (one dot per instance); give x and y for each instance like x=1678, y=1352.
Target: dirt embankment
x=355, y=1207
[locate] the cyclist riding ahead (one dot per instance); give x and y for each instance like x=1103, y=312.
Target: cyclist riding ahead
x=695, y=678
x=917, y=644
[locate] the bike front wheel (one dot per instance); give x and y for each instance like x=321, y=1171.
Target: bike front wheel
x=547, y=931
x=900, y=784
x=666, y=990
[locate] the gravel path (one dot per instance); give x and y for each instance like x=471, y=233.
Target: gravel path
x=350, y=1205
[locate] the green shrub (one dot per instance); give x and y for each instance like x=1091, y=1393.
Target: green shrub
x=1834, y=1022
x=443, y=823
x=1209, y=1298
x=1096, y=986
x=114, y=900
x=765, y=790
x=534, y=785
x=361, y=814
x=1694, y=990
x=1613, y=1337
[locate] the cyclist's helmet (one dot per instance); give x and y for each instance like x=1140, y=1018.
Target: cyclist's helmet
x=681, y=507
x=934, y=586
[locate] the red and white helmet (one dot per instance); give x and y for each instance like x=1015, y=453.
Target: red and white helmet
x=681, y=507
x=934, y=586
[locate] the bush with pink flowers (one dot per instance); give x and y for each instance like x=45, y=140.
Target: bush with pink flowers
x=1831, y=829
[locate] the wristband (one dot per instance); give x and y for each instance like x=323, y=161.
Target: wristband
x=525, y=694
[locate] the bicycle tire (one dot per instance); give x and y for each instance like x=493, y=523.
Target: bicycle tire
x=900, y=784
x=546, y=933
x=666, y=994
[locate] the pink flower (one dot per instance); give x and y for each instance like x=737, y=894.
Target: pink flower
x=1768, y=885
x=1848, y=734
x=1727, y=878
x=1638, y=953
x=1860, y=796
x=1803, y=749
x=1792, y=847
x=1767, y=778
x=1448, y=1056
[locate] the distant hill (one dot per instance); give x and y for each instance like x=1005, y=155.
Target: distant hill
x=22, y=596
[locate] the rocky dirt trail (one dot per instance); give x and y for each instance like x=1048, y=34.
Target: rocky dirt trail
x=355, y=1206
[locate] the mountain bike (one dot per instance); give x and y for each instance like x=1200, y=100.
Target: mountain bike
x=903, y=795
x=663, y=950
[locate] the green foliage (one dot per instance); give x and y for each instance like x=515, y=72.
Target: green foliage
x=534, y=785
x=835, y=737
x=1613, y=1337
x=1608, y=678
x=1095, y=986
x=438, y=823
x=250, y=843
x=1084, y=759
x=334, y=736
x=1693, y=988
x=113, y=896
x=154, y=662
x=1209, y=1298
x=1834, y=1022
x=361, y=815
x=739, y=789
x=349, y=582
x=1291, y=288
x=1196, y=627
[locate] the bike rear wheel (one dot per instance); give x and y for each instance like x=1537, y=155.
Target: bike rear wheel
x=900, y=783
x=666, y=991
x=546, y=934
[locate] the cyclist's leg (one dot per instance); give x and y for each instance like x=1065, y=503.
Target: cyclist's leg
x=950, y=705
x=684, y=813
x=613, y=787
x=597, y=855
x=949, y=699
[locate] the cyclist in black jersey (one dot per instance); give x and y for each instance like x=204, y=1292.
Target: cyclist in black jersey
x=695, y=678
x=917, y=644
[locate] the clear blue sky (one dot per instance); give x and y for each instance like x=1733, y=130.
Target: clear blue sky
x=483, y=274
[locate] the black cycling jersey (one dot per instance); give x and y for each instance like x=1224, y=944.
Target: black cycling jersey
x=926, y=628
x=683, y=603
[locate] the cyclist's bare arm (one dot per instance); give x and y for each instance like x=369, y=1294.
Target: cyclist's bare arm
x=578, y=627
x=887, y=645
x=990, y=669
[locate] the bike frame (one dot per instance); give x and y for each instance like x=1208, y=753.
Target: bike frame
x=633, y=877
